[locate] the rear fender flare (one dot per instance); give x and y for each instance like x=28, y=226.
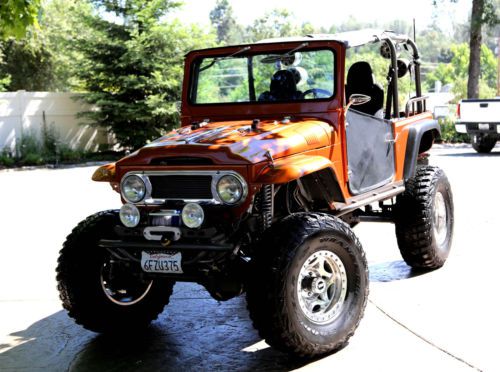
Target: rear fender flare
x=420, y=139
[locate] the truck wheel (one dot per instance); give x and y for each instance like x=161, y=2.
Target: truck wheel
x=101, y=293
x=424, y=219
x=310, y=286
x=483, y=144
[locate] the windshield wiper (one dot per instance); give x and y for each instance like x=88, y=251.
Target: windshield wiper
x=277, y=57
x=215, y=60
x=303, y=45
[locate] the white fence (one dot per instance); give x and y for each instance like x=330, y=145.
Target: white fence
x=23, y=113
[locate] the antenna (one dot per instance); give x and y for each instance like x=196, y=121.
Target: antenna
x=414, y=31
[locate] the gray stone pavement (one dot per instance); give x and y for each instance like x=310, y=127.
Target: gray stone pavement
x=445, y=320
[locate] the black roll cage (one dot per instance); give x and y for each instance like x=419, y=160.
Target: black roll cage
x=392, y=102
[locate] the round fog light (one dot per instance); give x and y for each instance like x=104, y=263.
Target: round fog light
x=130, y=215
x=192, y=215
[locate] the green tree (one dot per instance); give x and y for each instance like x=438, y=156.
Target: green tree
x=132, y=68
x=60, y=34
x=45, y=59
x=456, y=72
x=276, y=23
x=27, y=63
x=227, y=29
x=483, y=13
x=16, y=16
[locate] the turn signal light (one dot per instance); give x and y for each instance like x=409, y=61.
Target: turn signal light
x=104, y=173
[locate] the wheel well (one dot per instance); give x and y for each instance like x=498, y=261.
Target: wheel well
x=427, y=140
x=315, y=191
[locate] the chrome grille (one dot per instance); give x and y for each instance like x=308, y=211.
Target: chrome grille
x=181, y=187
x=188, y=186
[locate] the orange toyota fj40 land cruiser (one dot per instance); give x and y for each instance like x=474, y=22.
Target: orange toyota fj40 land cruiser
x=278, y=156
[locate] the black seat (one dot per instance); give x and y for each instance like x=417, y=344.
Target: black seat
x=283, y=87
x=360, y=81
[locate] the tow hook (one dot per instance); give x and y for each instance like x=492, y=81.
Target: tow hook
x=164, y=234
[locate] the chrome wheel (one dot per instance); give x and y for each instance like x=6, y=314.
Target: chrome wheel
x=439, y=219
x=120, y=286
x=322, y=287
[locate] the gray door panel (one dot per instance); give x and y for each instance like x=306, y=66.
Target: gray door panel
x=370, y=151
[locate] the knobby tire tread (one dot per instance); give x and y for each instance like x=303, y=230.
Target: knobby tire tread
x=266, y=306
x=414, y=214
x=92, y=312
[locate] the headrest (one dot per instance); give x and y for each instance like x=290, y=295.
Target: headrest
x=283, y=81
x=360, y=72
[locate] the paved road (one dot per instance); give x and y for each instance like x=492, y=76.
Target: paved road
x=446, y=320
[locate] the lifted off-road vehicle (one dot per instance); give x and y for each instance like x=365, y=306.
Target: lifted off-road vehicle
x=279, y=154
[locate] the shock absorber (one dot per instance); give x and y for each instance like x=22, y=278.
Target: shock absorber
x=266, y=206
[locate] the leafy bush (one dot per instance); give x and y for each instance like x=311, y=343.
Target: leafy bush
x=6, y=159
x=49, y=150
x=448, y=132
x=29, y=150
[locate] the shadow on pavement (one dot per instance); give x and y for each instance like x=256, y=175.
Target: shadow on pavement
x=191, y=334
x=392, y=271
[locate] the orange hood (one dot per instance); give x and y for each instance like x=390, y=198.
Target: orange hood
x=235, y=142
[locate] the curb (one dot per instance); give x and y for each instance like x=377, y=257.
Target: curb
x=54, y=167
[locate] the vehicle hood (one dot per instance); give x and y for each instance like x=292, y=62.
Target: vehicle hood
x=236, y=142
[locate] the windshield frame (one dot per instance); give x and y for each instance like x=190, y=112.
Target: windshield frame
x=255, y=50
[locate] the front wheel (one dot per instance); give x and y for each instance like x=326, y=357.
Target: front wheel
x=310, y=286
x=483, y=144
x=424, y=219
x=102, y=293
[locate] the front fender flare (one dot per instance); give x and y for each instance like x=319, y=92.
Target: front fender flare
x=292, y=168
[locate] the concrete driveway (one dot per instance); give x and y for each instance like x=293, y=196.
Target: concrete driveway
x=446, y=320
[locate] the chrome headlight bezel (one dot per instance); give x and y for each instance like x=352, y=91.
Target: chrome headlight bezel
x=235, y=180
x=123, y=186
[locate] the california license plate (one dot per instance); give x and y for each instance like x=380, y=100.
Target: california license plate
x=483, y=126
x=162, y=262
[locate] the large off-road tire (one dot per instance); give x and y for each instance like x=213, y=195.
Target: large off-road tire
x=424, y=219
x=309, y=287
x=483, y=144
x=102, y=294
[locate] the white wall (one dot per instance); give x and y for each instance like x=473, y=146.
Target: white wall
x=22, y=112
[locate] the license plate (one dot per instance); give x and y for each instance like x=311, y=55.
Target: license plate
x=162, y=262
x=483, y=126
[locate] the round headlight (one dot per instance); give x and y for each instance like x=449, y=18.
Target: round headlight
x=130, y=215
x=230, y=189
x=192, y=215
x=133, y=189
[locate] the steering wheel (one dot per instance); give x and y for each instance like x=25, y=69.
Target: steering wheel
x=316, y=92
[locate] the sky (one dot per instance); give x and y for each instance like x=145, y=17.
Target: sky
x=325, y=13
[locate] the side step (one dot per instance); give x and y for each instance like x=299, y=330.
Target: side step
x=382, y=193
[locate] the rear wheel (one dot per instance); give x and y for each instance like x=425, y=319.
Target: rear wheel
x=424, y=219
x=101, y=293
x=312, y=285
x=483, y=144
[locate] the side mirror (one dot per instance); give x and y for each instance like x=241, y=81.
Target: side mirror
x=357, y=99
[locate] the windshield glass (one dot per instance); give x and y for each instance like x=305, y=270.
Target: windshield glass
x=271, y=77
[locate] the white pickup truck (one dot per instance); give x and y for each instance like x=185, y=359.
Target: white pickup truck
x=480, y=119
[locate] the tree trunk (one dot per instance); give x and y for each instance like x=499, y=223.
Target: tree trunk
x=475, y=48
